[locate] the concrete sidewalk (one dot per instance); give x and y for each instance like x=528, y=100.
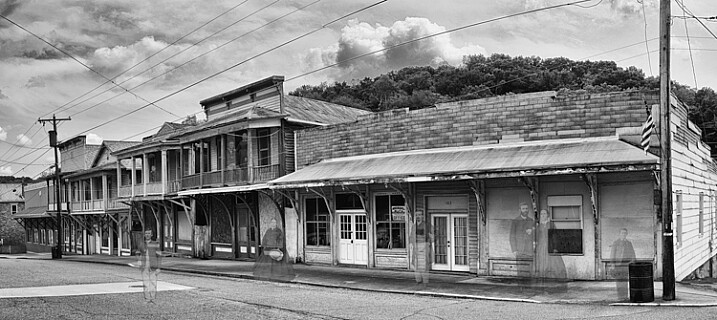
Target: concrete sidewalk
x=440, y=284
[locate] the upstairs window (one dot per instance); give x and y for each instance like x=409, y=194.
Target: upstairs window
x=13, y=208
x=264, y=144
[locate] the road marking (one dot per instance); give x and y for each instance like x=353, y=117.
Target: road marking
x=85, y=289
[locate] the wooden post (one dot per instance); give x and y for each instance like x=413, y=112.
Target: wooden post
x=668, y=254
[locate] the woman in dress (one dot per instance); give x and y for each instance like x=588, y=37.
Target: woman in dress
x=547, y=265
x=272, y=262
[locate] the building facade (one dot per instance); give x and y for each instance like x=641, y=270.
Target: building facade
x=202, y=188
x=12, y=202
x=542, y=184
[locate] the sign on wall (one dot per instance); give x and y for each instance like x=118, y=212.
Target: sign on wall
x=398, y=213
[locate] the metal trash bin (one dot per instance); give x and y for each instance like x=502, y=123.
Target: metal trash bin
x=641, y=282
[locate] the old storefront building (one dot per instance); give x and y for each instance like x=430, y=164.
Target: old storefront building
x=542, y=184
x=202, y=188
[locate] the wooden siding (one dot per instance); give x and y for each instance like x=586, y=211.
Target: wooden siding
x=267, y=99
x=692, y=174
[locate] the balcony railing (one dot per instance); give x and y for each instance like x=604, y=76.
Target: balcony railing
x=154, y=188
x=116, y=204
x=88, y=205
x=231, y=177
x=125, y=191
x=265, y=173
x=173, y=186
x=53, y=206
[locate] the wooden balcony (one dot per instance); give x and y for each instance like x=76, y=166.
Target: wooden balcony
x=235, y=176
x=116, y=204
x=88, y=205
x=174, y=185
x=265, y=173
x=125, y=191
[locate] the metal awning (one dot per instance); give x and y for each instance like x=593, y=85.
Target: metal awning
x=30, y=213
x=564, y=156
x=244, y=188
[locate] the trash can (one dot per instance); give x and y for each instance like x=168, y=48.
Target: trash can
x=641, y=282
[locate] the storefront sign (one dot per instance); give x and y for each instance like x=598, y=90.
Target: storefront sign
x=398, y=213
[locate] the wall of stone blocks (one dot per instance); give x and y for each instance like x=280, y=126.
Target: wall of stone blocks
x=511, y=118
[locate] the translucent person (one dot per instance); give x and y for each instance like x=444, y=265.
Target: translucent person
x=273, y=260
x=521, y=233
x=422, y=251
x=149, y=263
x=622, y=254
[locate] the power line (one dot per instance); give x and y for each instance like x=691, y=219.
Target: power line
x=18, y=145
x=186, y=62
x=80, y=62
x=150, y=56
x=590, y=6
x=647, y=47
x=244, y=61
x=689, y=45
x=158, y=63
x=437, y=34
x=686, y=10
x=130, y=68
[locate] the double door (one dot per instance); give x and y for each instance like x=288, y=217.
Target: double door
x=353, y=238
x=450, y=241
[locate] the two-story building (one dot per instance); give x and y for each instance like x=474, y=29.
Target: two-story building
x=39, y=218
x=12, y=202
x=541, y=184
x=92, y=213
x=202, y=189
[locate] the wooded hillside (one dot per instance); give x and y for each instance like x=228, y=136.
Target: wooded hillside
x=480, y=76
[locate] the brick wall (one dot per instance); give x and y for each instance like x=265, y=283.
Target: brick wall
x=525, y=117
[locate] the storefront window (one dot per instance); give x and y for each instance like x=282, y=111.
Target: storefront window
x=390, y=222
x=318, y=232
x=566, y=215
x=184, y=228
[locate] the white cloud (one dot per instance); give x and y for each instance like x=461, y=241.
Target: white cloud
x=3, y=134
x=23, y=140
x=6, y=171
x=359, y=38
x=94, y=139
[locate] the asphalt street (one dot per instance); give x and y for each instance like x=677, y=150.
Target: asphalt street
x=213, y=297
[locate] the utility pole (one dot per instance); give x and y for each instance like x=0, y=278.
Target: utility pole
x=57, y=251
x=668, y=250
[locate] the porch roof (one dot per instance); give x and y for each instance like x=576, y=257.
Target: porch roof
x=28, y=213
x=242, y=188
x=565, y=156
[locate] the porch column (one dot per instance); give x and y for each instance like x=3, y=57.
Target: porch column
x=250, y=155
x=201, y=163
x=134, y=174
x=164, y=172
x=119, y=176
x=145, y=173
x=105, y=198
x=180, y=173
x=223, y=152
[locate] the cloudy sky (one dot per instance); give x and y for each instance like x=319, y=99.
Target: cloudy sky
x=112, y=36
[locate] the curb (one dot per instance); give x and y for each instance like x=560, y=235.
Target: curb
x=419, y=293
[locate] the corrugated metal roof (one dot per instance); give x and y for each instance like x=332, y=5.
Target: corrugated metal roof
x=427, y=163
x=119, y=145
x=36, y=212
x=319, y=111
